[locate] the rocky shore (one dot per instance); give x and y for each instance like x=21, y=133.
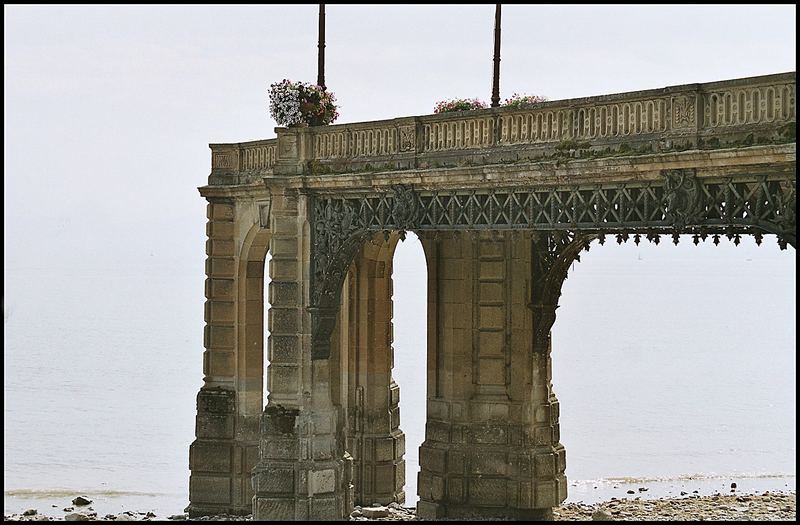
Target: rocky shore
x=769, y=506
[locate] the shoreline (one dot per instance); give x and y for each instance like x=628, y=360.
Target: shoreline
x=766, y=506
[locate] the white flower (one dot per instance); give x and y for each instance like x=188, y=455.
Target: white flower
x=284, y=103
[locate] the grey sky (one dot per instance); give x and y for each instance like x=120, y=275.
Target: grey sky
x=108, y=110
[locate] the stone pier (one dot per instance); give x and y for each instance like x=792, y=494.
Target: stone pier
x=504, y=201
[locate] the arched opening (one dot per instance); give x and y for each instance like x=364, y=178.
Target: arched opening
x=365, y=357
x=267, y=303
x=675, y=366
x=410, y=283
x=253, y=305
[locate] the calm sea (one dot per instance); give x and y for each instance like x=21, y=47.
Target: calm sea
x=675, y=368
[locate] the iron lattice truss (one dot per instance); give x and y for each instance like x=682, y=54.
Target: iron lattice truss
x=678, y=203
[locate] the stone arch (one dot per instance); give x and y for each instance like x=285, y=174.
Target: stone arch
x=361, y=363
x=632, y=281
x=250, y=330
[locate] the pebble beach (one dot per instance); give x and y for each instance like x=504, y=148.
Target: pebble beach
x=767, y=506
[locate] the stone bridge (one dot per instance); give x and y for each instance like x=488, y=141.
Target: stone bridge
x=503, y=201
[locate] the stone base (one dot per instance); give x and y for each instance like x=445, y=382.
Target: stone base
x=196, y=510
x=379, y=476
x=434, y=511
x=488, y=470
x=332, y=508
x=222, y=457
x=300, y=475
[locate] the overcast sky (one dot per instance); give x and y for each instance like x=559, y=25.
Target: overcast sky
x=108, y=113
x=108, y=110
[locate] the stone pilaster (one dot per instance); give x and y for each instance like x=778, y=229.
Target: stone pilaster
x=303, y=472
x=374, y=437
x=224, y=450
x=486, y=452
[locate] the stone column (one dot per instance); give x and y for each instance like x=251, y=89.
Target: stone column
x=226, y=444
x=374, y=437
x=491, y=445
x=304, y=472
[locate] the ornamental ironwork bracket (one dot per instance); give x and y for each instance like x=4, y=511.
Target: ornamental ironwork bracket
x=677, y=203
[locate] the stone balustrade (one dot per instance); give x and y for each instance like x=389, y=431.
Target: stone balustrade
x=731, y=113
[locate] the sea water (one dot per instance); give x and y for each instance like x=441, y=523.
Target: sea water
x=674, y=367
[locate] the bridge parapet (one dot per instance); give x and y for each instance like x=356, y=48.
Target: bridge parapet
x=731, y=113
x=243, y=162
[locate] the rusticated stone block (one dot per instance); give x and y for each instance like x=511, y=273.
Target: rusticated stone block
x=279, y=421
x=485, y=462
x=400, y=475
x=322, y=447
x=384, y=449
x=284, y=348
x=219, y=364
x=491, y=343
x=219, y=312
x=437, y=431
x=284, y=294
x=487, y=434
x=219, y=289
x=216, y=336
x=491, y=270
x=283, y=269
x=430, y=511
x=250, y=457
x=487, y=491
x=561, y=483
x=543, y=435
x=220, y=267
x=212, y=426
x=546, y=494
x=424, y=484
x=543, y=413
x=384, y=479
x=219, y=229
x=284, y=378
x=326, y=509
x=544, y=465
x=432, y=459
x=276, y=448
x=210, y=489
x=323, y=481
x=455, y=490
x=492, y=372
x=216, y=401
x=220, y=248
x=284, y=320
x=210, y=457
x=284, y=247
x=284, y=225
x=525, y=495
x=220, y=212
x=561, y=459
x=274, y=509
x=274, y=480
x=455, y=462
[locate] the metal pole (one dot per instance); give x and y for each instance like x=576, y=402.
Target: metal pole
x=321, y=59
x=496, y=76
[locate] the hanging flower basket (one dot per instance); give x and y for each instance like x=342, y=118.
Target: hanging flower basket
x=301, y=104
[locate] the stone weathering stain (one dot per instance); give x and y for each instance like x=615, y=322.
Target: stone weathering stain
x=504, y=201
